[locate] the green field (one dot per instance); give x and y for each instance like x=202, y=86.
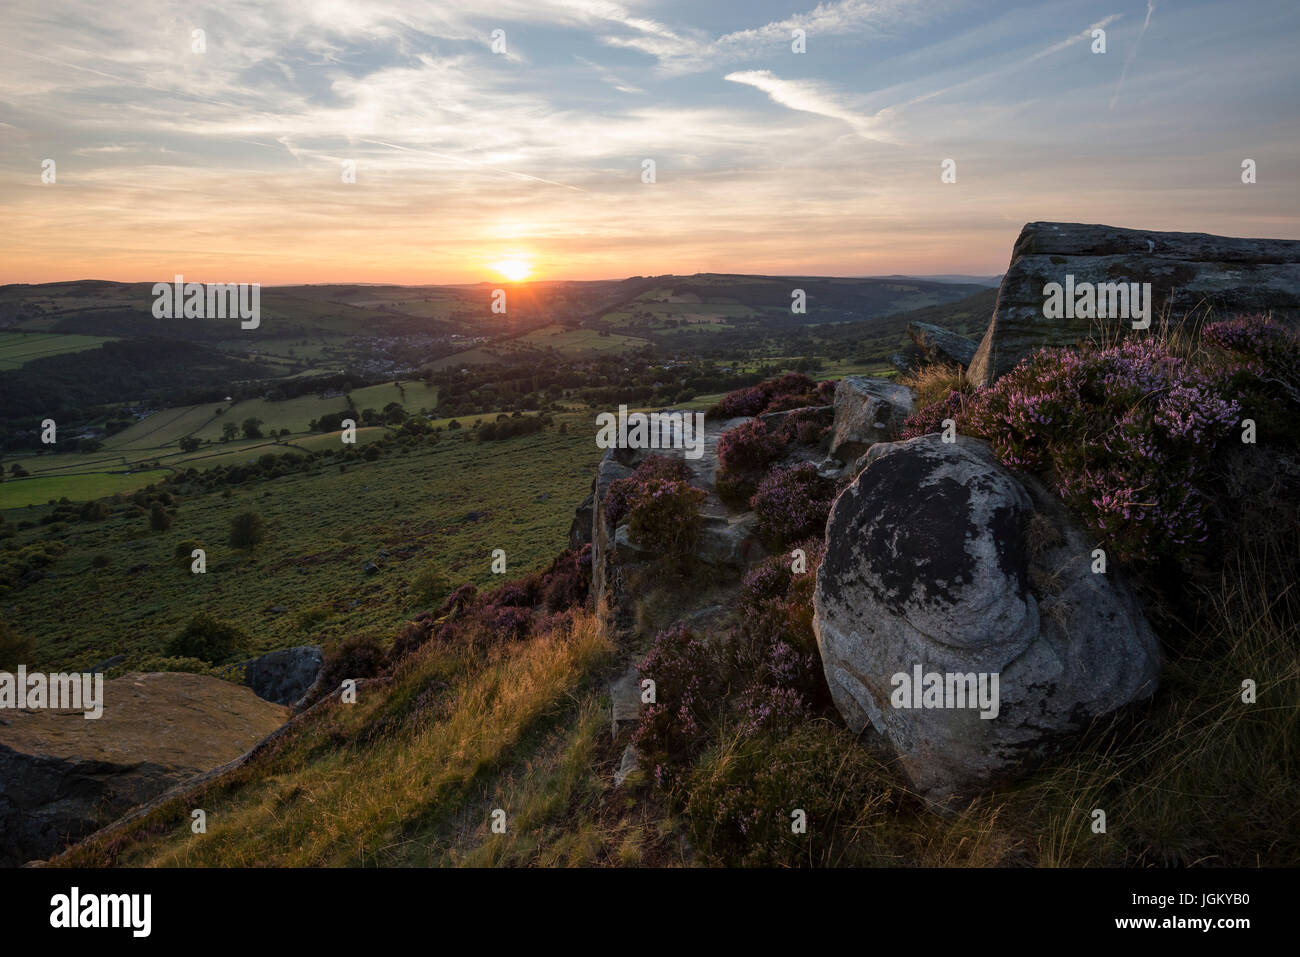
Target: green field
x=19, y=493
x=448, y=505
x=154, y=442
x=19, y=348
x=573, y=342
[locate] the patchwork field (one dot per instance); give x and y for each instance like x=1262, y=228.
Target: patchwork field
x=19, y=348
x=576, y=342
x=129, y=460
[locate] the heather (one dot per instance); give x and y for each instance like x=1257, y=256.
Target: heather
x=807, y=426
x=744, y=453
x=759, y=681
x=1132, y=435
x=792, y=390
x=665, y=517
x=618, y=499
x=792, y=503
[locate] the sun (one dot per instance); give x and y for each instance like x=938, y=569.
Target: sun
x=516, y=270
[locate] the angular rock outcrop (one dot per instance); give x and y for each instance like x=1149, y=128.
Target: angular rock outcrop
x=284, y=676
x=1188, y=272
x=941, y=559
x=940, y=345
x=583, y=517
x=62, y=776
x=867, y=411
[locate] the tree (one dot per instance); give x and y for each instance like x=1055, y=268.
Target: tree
x=207, y=638
x=229, y=431
x=190, y=443
x=159, y=520
x=252, y=428
x=247, y=530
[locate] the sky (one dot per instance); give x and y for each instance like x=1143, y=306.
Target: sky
x=511, y=137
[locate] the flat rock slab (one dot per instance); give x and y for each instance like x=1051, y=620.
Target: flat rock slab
x=940, y=345
x=1189, y=273
x=62, y=776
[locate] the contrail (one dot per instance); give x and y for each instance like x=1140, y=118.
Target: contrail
x=1151, y=8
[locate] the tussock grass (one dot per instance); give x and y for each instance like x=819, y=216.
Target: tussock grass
x=380, y=782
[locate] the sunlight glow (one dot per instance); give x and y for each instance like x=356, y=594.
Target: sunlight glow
x=516, y=270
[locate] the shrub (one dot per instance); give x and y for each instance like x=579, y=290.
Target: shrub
x=665, y=517
x=101, y=560
x=687, y=684
x=1127, y=435
x=429, y=586
x=93, y=512
x=159, y=520
x=354, y=658
x=15, y=649
x=412, y=636
x=512, y=623
x=741, y=798
x=789, y=391
x=618, y=498
x=183, y=553
x=930, y=418
x=247, y=530
x=806, y=426
x=748, y=448
x=459, y=600
x=743, y=454
x=792, y=503
x=748, y=401
x=566, y=583
x=207, y=638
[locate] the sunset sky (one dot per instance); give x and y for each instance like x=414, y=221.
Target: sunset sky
x=226, y=165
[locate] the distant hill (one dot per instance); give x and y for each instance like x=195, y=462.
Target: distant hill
x=953, y=277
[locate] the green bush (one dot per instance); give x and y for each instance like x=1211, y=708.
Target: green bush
x=184, y=552
x=429, y=587
x=159, y=520
x=207, y=638
x=247, y=530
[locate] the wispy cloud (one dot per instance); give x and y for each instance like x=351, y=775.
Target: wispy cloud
x=809, y=97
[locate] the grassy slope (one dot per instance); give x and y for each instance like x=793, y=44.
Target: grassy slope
x=412, y=773
x=327, y=524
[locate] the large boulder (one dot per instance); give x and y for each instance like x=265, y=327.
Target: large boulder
x=62, y=776
x=284, y=676
x=1188, y=272
x=941, y=561
x=867, y=411
x=940, y=345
